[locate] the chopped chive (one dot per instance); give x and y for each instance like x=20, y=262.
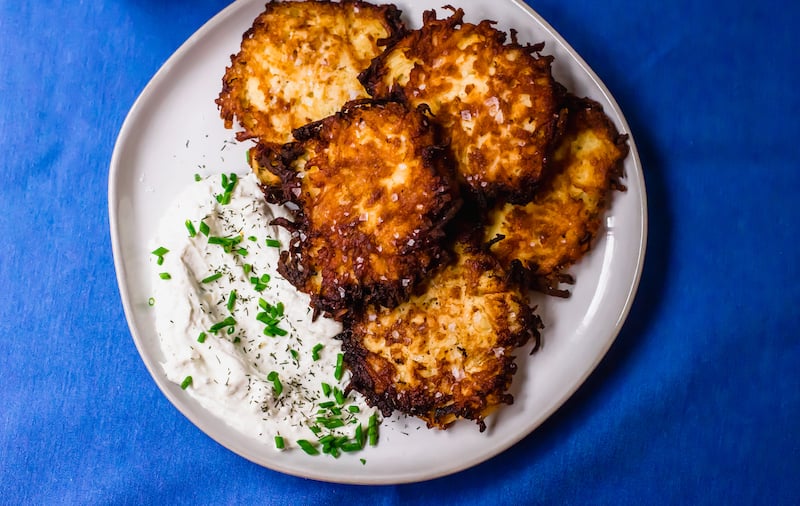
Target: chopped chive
x=270, y=315
x=151, y=301
x=242, y=251
x=338, y=395
x=279, y=443
x=186, y=382
x=260, y=283
x=252, y=238
x=264, y=318
x=315, y=351
x=341, y=441
x=294, y=354
x=164, y=275
x=354, y=409
x=212, y=277
x=247, y=268
x=326, y=389
x=227, y=243
x=224, y=199
x=228, y=185
x=328, y=438
x=231, y=330
x=339, y=371
x=201, y=338
x=330, y=423
x=204, y=228
x=277, y=387
x=327, y=404
x=231, y=300
x=247, y=156
x=227, y=322
x=190, y=228
x=273, y=331
x=358, y=437
x=350, y=447
x=363, y=462
x=159, y=253
x=197, y=177
x=307, y=447
x=372, y=430
x=273, y=243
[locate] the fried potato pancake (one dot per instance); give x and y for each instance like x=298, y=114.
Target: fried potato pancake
x=543, y=238
x=447, y=353
x=373, y=190
x=496, y=100
x=299, y=63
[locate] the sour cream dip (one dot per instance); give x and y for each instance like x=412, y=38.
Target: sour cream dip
x=236, y=335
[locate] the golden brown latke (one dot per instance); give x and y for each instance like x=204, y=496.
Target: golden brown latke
x=373, y=188
x=447, y=353
x=496, y=100
x=299, y=62
x=543, y=238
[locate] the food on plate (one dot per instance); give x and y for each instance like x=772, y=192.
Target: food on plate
x=496, y=100
x=239, y=338
x=367, y=136
x=371, y=188
x=299, y=62
x=447, y=353
x=543, y=238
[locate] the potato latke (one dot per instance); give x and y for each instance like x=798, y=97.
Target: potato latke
x=541, y=239
x=447, y=353
x=373, y=191
x=496, y=100
x=299, y=63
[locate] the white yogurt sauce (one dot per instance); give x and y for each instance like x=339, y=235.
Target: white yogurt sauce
x=230, y=369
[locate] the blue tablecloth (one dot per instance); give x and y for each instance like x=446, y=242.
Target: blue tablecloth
x=698, y=400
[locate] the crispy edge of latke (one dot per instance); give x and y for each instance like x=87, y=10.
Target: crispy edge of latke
x=228, y=103
x=443, y=415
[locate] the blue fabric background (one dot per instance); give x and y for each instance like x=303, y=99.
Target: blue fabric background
x=698, y=400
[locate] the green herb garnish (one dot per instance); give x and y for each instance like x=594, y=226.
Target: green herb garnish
x=186, y=382
x=211, y=278
x=227, y=322
x=190, y=228
x=277, y=387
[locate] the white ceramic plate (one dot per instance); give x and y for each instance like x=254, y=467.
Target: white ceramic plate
x=173, y=131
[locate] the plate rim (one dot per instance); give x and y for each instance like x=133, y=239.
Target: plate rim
x=125, y=133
